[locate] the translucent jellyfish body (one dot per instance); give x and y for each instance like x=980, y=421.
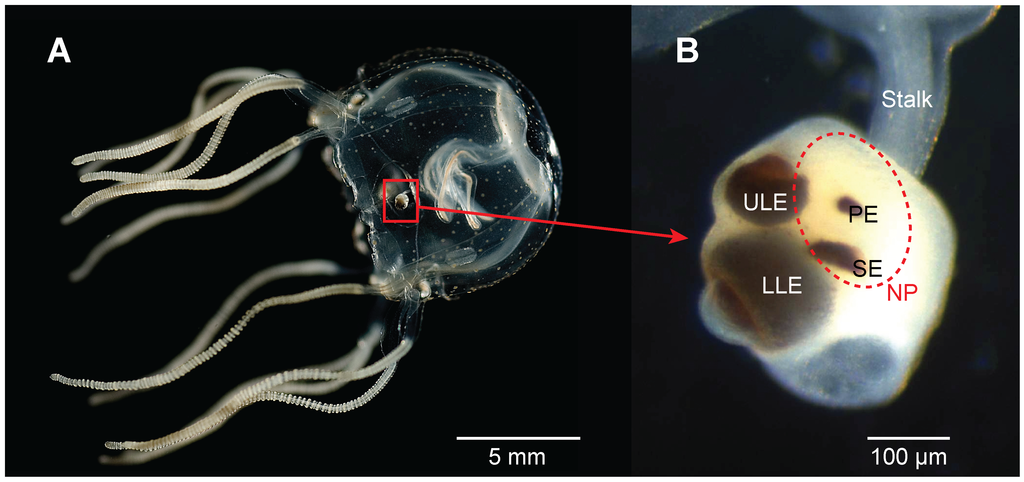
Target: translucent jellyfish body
x=439, y=128
x=837, y=342
x=477, y=141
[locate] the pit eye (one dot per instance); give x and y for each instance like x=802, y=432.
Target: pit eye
x=844, y=204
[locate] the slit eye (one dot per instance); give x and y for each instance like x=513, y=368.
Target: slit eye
x=839, y=255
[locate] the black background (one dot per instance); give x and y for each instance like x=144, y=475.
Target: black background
x=700, y=406
x=541, y=354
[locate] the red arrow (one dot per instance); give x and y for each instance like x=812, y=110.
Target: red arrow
x=676, y=237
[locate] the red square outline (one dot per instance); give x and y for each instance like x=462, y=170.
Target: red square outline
x=384, y=193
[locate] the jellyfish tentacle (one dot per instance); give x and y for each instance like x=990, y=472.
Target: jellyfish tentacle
x=312, y=267
x=237, y=77
x=353, y=360
x=199, y=104
x=164, y=164
x=160, y=171
x=305, y=402
x=252, y=394
x=180, y=173
x=268, y=83
x=180, y=147
x=176, y=373
x=161, y=215
x=197, y=184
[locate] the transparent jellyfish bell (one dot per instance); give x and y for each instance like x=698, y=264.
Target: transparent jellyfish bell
x=476, y=139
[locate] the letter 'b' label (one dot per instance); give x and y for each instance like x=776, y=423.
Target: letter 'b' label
x=681, y=50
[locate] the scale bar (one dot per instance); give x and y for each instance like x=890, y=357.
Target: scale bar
x=517, y=438
x=908, y=438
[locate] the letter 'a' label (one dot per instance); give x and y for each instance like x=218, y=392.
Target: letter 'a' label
x=59, y=50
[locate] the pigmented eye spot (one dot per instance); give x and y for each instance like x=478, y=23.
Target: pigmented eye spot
x=837, y=254
x=844, y=205
x=752, y=188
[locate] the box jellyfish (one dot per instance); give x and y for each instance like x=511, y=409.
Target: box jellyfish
x=788, y=280
x=470, y=134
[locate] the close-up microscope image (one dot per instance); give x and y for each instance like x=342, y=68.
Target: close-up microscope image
x=848, y=177
x=291, y=242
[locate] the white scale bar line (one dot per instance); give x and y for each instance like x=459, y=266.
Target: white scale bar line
x=908, y=438
x=517, y=438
